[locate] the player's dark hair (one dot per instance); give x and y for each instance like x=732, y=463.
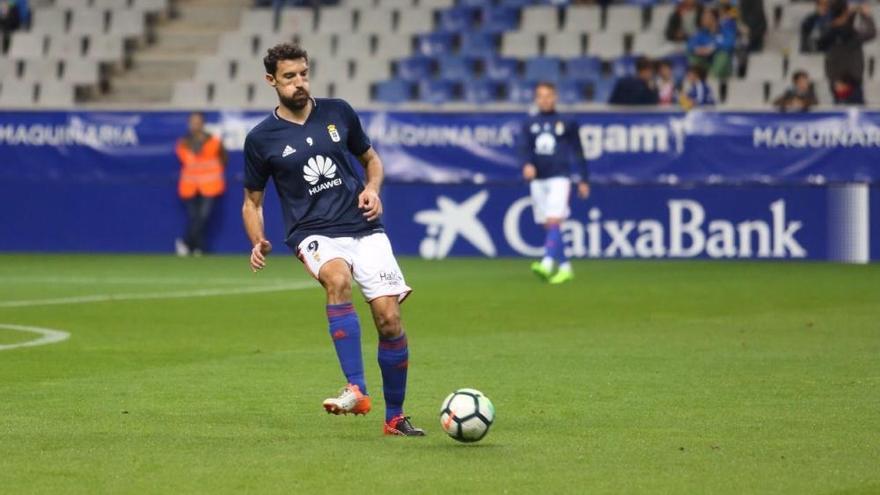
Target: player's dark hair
x=546, y=84
x=283, y=51
x=644, y=63
x=699, y=71
x=198, y=114
x=799, y=74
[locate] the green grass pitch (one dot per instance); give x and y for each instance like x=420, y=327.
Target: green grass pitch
x=639, y=377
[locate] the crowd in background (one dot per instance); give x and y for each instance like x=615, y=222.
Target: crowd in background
x=13, y=15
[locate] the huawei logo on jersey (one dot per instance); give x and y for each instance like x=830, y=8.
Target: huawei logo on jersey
x=318, y=167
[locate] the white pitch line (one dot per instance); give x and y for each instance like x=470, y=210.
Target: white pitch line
x=156, y=295
x=26, y=279
x=48, y=336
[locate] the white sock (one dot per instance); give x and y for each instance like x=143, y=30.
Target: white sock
x=547, y=263
x=566, y=266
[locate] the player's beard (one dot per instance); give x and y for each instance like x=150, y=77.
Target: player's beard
x=297, y=101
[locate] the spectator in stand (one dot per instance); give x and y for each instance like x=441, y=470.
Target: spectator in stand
x=752, y=15
x=842, y=41
x=665, y=84
x=847, y=91
x=711, y=46
x=813, y=26
x=638, y=89
x=684, y=21
x=800, y=97
x=696, y=91
x=10, y=20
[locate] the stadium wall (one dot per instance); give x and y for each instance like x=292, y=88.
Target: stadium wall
x=666, y=185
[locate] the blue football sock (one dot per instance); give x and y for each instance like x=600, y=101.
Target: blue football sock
x=345, y=330
x=553, y=245
x=394, y=362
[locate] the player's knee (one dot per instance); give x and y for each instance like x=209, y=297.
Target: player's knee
x=337, y=284
x=388, y=322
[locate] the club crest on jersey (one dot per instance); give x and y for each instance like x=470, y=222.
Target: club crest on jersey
x=319, y=167
x=313, y=248
x=334, y=134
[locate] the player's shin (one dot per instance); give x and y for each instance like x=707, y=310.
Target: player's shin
x=345, y=330
x=394, y=363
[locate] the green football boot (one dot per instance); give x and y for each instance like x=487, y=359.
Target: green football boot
x=539, y=270
x=562, y=276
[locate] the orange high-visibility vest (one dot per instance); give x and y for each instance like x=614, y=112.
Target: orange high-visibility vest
x=201, y=172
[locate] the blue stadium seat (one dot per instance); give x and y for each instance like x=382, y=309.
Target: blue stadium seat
x=475, y=3
x=499, y=19
x=602, y=89
x=543, y=69
x=572, y=91
x=460, y=68
x=480, y=91
x=500, y=68
x=583, y=68
x=520, y=91
x=393, y=91
x=437, y=91
x=415, y=68
x=457, y=19
x=518, y=3
x=478, y=44
x=624, y=66
x=433, y=44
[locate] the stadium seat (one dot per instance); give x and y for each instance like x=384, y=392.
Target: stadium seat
x=396, y=4
x=391, y=46
x=478, y=44
x=458, y=19
x=111, y=4
x=230, y=94
x=659, y=15
x=27, y=45
x=55, y=94
x=540, y=19
x=415, y=68
x=236, y=44
x=624, y=66
x=457, y=68
x=416, y=21
x=476, y=3
x=41, y=69
x=375, y=20
x=107, y=49
x=249, y=70
x=565, y=44
x=318, y=45
x=265, y=98
x=745, y=94
x=601, y=90
x=583, y=19
x=605, y=45
x=436, y=91
x=258, y=21
x=653, y=44
x=436, y=4
x=367, y=71
x=150, y=6
x=127, y=23
x=297, y=21
x=332, y=69
x=81, y=73
x=50, y=20
x=269, y=39
x=393, y=91
x=520, y=91
x=499, y=19
x=813, y=64
x=500, y=69
x=434, y=44
x=335, y=20
x=65, y=46
x=519, y=44
x=217, y=68
x=623, y=19
x=764, y=66
x=793, y=14
x=354, y=46
x=583, y=68
x=517, y=3
x=543, y=69
x=8, y=68
x=571, y=91
x=356, y=93
x=88, y=22
x=480, y=91
x=17, y=93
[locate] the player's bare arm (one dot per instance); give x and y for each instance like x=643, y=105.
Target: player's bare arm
x=369, y=200
x=252, y=214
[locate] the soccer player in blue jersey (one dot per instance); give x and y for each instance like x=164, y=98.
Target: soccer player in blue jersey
x=553, y=159
x=332, y=221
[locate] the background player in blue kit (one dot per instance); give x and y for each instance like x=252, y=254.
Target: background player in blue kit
x=554, y=158
x=332, y=223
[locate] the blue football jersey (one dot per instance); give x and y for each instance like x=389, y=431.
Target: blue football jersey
x=317, y=185
x=551, y=143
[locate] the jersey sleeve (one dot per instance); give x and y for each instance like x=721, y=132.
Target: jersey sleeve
x=358, y=142
x=581, y=171
x=256, y=170
x=525, y=146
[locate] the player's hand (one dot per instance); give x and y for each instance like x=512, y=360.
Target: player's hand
x=370, y=202
x=529, y=171
x=258, y=255
x=583, y=190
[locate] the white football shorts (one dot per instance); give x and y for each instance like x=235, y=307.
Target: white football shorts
x=369, y=257
x=550, y=198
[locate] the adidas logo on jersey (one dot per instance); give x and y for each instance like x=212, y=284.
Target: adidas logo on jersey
x=287, y=151
x=318, y=167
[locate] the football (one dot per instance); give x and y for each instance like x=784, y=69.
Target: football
x=466, y=415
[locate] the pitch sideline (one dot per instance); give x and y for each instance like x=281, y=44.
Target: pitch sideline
x=47, y=336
